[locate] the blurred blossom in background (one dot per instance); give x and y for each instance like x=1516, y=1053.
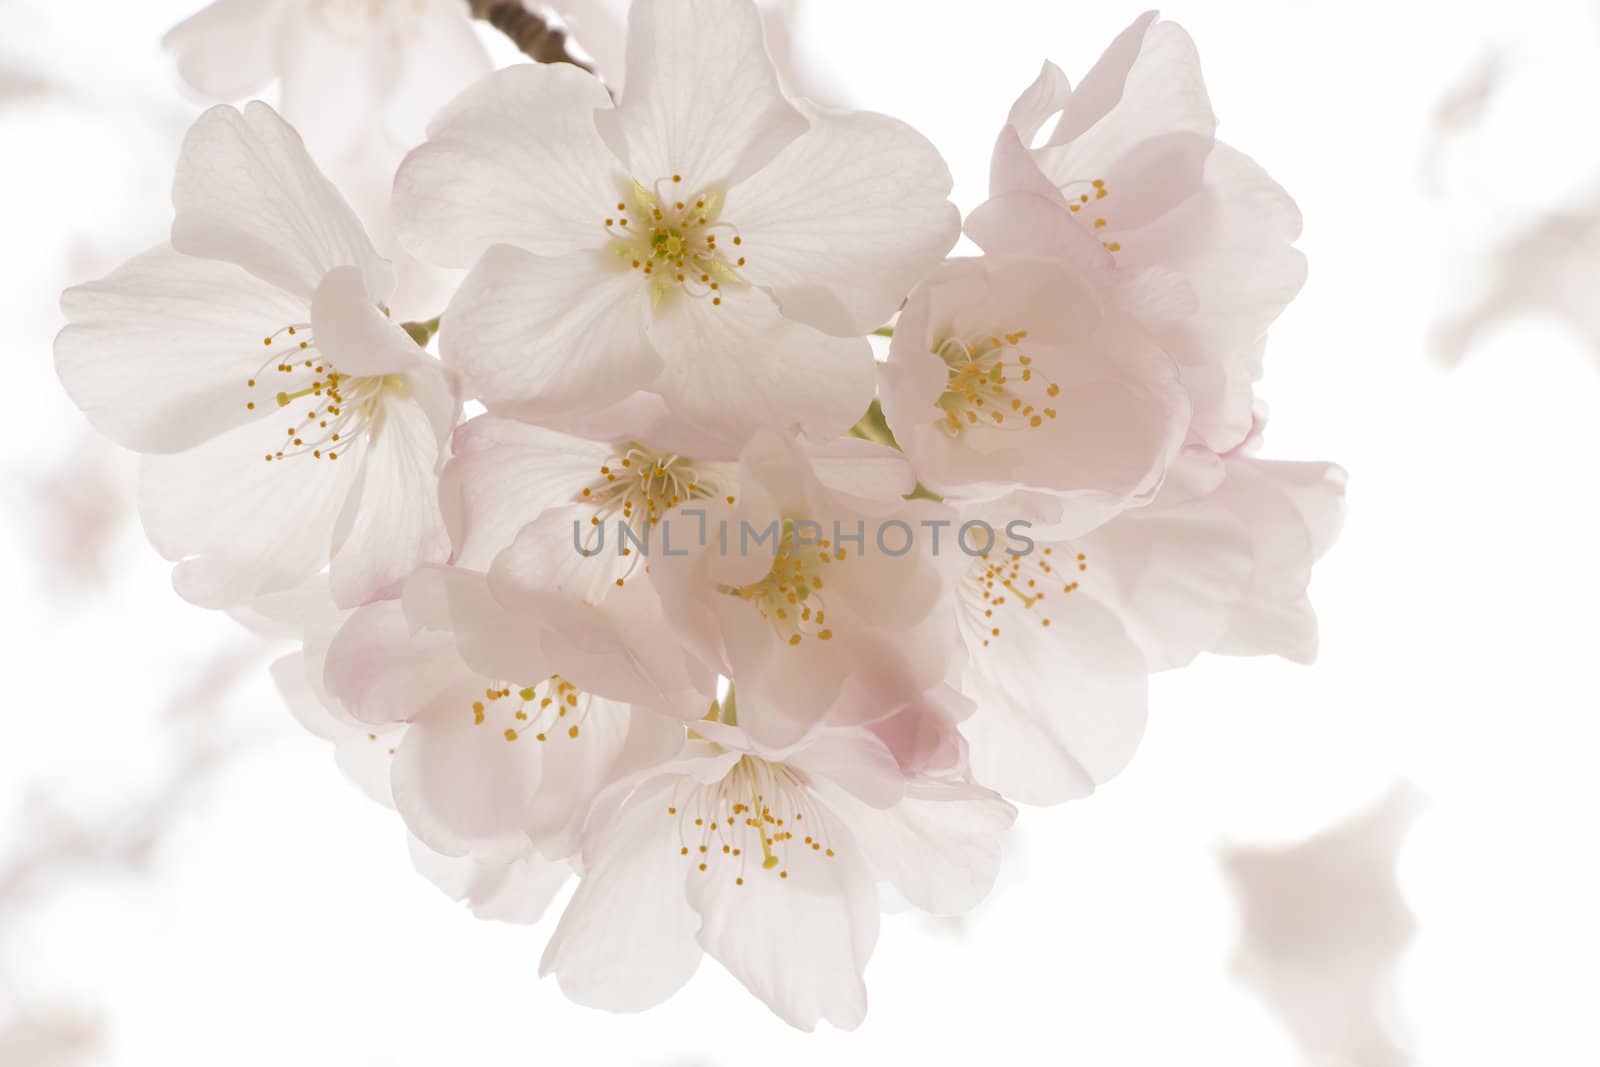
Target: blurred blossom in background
x=1385, y=859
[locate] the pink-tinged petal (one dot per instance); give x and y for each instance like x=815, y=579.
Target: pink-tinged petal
x=353, y=334
x=536, y=336
x=515, y=160
x=1232, y=242
x=925, y=736
x=645, y=417
x=627, y=939
x=446, y=57
x=236, y=525
x=515, y=891
x=863, y=660
x=845, y=221
x=381, y=672
x=159, y=353
x=391, y=522
x=1180, y=576
x=1106, y=84
x=229, y=48
x=1013, y=171
x=613, y=742
x=939, y=845
x=702, y=99
x=364, y=754
x=338, y=54
x=793, y=689
x=1293, y=512
x=496, y=643
x=1061, y=706
x=296, y=614
x=863, y=469
x=618, y=645
x=741, y=366
x=1144, y=127
x=855, y=761
x=801, y=942
x=247, y=192
x=1224, y=570
x=1317, y=491
x=563, y=555
x=1048, y=94
x=465, y=784
x=503, y=474
x=1008, y=376
x=1026, y=224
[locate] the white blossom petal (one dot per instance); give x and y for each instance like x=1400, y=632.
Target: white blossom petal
x=158, y=353
x=503, y=474
x=846, y=220
x=229, y=48
x=702, y=98
x=516, y=159
x=516, y=891
x=939, y=845
x=391, y=521
x=463, y=786
x=239, y=527
x=531, y=335
x=740, y=366
x=627, y=939
x=800, y=943
x=1061, y=706
x=247, y=192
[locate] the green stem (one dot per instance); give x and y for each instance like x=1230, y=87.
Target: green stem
x=883, y=331
x=422, y=332
x=875, y=428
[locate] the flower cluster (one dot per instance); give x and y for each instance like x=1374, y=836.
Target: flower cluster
x=705, y=604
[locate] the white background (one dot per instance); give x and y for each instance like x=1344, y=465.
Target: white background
x=185, y=878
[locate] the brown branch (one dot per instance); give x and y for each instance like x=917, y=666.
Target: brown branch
x=535, y=35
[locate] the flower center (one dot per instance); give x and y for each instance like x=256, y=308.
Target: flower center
x=758, y=806
x=642, y=485
x=1000, y=588
x=638, y=487
x=677, y=241
x=790, y=596
x=1079, y=196
x=339, y=409
x=993, y=384
x=541, y=708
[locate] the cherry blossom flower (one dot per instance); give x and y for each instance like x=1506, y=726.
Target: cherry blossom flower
x=679, y=494
x=518, y=891
x=707, y=238
x=783, y=587
x=766, y=861
x=1008, y=381
x=1060, y=641
x=514, y=888
x=287, y=419
x=508, y=735
x=1059, y=684
x=1224, y=569
x=1186, y=233
x=341, y=65
x=359, y=80
x=627, y=467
